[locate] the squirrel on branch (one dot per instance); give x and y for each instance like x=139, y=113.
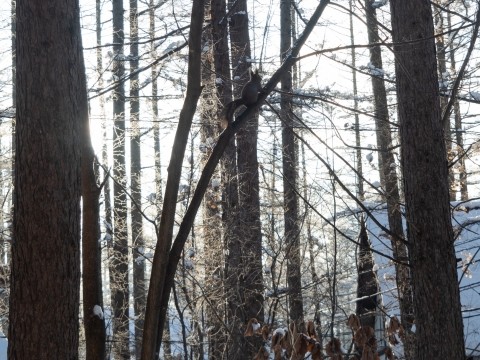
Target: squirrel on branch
x=249, y=97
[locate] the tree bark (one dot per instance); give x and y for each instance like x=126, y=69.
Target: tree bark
x=290, y=174
x=138, y=242
x=51, y=102
x=244, y=248
x=93, y=319
x=387, y=168
x=212, y=219
x=439, y=329
x=119, y=257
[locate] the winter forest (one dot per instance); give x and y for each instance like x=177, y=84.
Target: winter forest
x=240, y=179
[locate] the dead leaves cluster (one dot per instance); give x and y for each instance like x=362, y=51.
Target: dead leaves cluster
x=295, y=344
x=395, y=331
x=364, y=339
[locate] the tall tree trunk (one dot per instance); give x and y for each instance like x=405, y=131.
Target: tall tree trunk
x=167, y=349
x=119, y=257
x=245, y=272
x=138, y=242
x=212, y=224
x=51, y=107
x=229, y=168
x=387, y=168
x=290, y=173
x=161, y=281
x=93, y=319
x=358, y=150
x=439, y=333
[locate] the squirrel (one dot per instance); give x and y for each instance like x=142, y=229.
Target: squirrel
x=249, y=96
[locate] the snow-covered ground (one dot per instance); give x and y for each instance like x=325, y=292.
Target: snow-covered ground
x=466, y=223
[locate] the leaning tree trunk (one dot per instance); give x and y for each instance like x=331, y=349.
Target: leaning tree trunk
x=439, y=329
x=161, y=281
x=51, y=104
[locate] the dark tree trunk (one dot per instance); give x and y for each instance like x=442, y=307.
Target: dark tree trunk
x=228, y=165
x=212, y=223
x=119, y=256
x=93, y=319
x=290, y=173
x=367, y=288
x=51, y=106
x=439, y=329
x=244, y=248
x=387, y=168
x=163, y=272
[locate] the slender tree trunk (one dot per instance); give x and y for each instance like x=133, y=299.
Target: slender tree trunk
x=212, y=220
x=51, y=105
x=167, y=349
x=14, y=79
x=315, y=280
x=245, y=272
x=119, y=258
x=442, y=77
x=93, y=319
x=229, y=169
x=138, y=242
x=161, y=281
x=439, y=333
x=290, y=173
x=462, y=170
x=358, y=150
x=390, y=185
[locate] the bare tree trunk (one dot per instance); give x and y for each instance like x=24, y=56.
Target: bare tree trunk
x=51, y=103
x=367, y=290
x=358, y=150
x=119, y=256
x=159, y=289
x=229, y=169
x=212, y=219
x=462, y=170
x=290, y=174
x=245, y=272
x=93, y=319
x=439, y=333
x=442, y=77
x=390, y=185
x=167, y=349
x=138, y=242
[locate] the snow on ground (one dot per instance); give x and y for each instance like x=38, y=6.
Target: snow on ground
x=466, y=223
